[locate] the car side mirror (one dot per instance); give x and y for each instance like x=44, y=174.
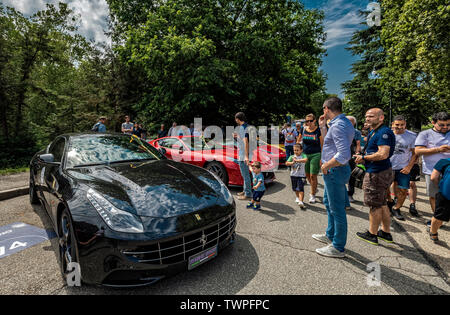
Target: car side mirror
x=48, y=159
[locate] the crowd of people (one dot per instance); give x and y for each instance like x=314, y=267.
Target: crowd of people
x=385, y=159
x=388, y=156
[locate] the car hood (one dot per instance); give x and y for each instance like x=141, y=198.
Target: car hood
x=160, y=189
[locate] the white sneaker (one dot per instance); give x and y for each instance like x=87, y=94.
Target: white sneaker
x=302, y=205
x=312, y=199
x=297, y=200
x=330, y=251
x=321, y=238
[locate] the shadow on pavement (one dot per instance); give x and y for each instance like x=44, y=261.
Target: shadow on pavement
x=398, y=281
x=276, y=210
x=274, y=188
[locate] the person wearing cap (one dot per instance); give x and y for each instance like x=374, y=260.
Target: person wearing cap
x=100, y=125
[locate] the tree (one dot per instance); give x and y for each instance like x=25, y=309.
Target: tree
x=363, y=91
x=417, y=70
x=215, y=58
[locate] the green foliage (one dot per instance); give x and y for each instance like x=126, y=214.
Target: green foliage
x=410, y=54
x=215, y=58
x=53, y=82
x=363, y=92
x=415, y=37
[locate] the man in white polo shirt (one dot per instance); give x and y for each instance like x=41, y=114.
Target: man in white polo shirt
x=434, y=145
x=402, y=162
x=127, y=126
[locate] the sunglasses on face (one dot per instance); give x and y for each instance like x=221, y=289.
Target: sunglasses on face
x=443, y=125
x=308, y=121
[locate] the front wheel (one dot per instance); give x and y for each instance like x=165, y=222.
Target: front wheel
x=32, y=192
x=218, y=169
x=68, y=248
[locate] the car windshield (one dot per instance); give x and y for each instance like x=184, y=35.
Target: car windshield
x=105, y=149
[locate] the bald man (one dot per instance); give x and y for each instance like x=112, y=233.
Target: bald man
x=378, y=177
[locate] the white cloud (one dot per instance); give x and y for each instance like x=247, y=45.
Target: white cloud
x=93, y=14
x=341, y=20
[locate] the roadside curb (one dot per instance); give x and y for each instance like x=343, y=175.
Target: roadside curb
x=15, y=192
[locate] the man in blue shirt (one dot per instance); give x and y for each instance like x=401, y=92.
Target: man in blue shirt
x=100, y=125
x=378, y=177
x=244, y=153
x=442, y=211
x=336, y=173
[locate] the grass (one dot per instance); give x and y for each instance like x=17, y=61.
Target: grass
x=9, y=171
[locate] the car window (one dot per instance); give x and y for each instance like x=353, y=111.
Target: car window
x=170, y=142
x=95, y=149
x=57, y=149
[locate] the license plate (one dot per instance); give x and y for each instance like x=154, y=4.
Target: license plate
x=200, y=258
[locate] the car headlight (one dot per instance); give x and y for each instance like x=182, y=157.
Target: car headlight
x=223, y=189
x=116, y=219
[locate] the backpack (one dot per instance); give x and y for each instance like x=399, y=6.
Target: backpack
x=95, y=128
x=290, y=137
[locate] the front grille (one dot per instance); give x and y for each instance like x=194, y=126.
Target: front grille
x=181, y=248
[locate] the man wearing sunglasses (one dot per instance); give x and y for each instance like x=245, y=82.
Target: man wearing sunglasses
x=434, y=145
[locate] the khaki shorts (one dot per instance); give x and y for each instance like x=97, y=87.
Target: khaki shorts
x=375, y=186
x=432, y=188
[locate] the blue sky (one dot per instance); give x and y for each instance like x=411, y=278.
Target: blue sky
x=341, y=20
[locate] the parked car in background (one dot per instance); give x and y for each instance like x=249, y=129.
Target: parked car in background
x=218, y=157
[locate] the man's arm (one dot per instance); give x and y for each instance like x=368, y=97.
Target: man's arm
x=343, y=154
x=407, y=169
x=422, y=150
x=358, y=146
x=246, y=149
x=381, y=154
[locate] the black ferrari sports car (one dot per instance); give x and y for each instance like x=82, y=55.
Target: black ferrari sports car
x=127, y=215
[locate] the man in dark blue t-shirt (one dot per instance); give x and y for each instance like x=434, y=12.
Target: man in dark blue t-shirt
x=378, y=178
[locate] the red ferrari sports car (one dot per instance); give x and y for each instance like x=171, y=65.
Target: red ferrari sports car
x=216, y=157
x=276, y=153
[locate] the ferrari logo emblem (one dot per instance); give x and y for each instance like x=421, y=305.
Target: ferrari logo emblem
x=203, y=240
x=197, y=216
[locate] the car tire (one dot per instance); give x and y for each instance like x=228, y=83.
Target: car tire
x=32, y=192
x=67, y=244
x=218, y=169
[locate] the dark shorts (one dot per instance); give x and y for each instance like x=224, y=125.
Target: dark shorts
x=401, y=179
x=257, y=195
x=375, y=186
x=414, y=175
x=442, y=208
x=297, y=183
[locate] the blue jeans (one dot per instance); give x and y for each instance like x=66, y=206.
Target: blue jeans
x=289, y=151
x=245, y=172
x=335, y=196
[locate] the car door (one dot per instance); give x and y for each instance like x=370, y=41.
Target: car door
x=52, y=176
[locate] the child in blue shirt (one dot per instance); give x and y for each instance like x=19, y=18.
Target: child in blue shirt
x=258, y=186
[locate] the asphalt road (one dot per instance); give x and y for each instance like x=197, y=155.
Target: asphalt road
x=273, y=254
